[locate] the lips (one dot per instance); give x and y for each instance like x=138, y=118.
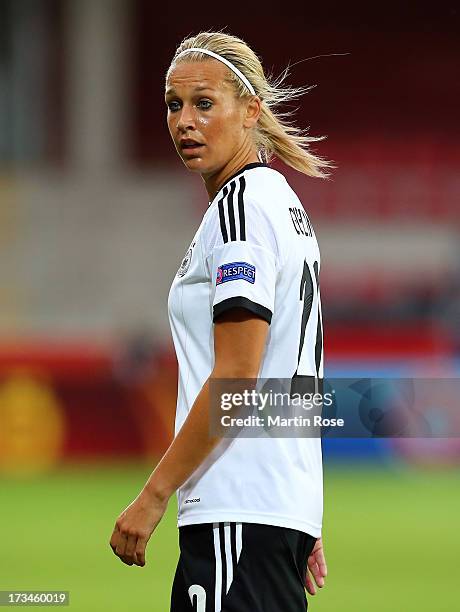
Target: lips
x=189, y=143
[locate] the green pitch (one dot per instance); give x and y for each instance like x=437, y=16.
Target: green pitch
x=391, y=535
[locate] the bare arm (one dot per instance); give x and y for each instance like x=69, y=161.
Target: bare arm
x=239, y=342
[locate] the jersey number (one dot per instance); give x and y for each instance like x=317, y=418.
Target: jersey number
x=306, y=296
x=198, y=591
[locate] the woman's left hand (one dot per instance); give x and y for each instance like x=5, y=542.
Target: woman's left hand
x=134, y=527
x=317, y=566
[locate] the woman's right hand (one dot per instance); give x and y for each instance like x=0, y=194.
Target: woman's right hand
x=134, y=527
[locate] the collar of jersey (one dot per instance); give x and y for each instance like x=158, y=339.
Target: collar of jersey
x=243, y=169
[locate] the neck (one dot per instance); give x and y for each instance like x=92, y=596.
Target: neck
x=214, y=181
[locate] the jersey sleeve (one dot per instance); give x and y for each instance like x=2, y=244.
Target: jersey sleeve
x=242, y=259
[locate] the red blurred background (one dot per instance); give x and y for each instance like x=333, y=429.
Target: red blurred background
x=96, y=210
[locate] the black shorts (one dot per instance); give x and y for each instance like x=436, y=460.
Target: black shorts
x=241, y=567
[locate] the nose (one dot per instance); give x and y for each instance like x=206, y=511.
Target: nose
x=186, y=119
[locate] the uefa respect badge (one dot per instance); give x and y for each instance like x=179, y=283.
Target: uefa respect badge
x=237, y=270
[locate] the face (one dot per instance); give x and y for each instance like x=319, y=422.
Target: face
x=208, y=123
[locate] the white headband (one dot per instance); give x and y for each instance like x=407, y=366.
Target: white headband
x=224, y=61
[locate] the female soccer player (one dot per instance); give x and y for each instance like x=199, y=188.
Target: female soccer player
x=245, y=303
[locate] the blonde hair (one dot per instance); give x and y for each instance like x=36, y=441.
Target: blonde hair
x=274, y=133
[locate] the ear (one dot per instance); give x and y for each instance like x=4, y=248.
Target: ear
x=252, y=113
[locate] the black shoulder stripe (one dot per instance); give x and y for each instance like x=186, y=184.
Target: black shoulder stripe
x=231, y=212
x=227, y=200
x=241, y=208
x=223, y=227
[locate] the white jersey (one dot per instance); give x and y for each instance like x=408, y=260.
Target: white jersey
x=255, y=248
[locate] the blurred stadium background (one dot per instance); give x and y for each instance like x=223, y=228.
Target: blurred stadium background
x=96, y=213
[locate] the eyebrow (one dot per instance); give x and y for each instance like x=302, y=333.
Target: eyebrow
x=171, y=90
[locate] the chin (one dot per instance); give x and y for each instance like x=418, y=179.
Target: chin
x=195, y=164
